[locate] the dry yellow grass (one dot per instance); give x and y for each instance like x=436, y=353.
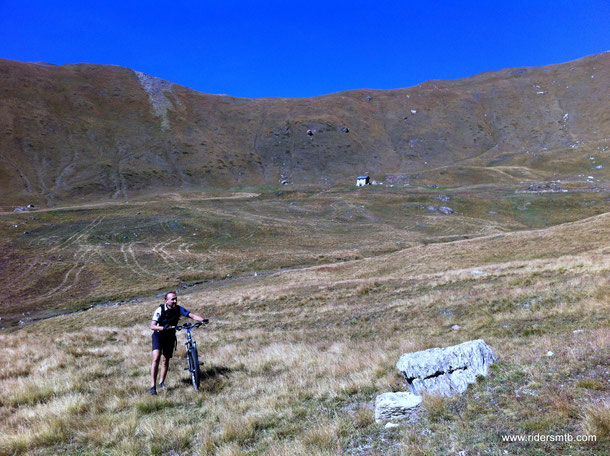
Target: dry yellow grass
x=295, y=359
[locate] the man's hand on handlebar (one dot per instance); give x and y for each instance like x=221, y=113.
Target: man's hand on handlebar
x=205, y=321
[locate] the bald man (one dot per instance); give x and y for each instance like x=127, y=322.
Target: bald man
x=164, y=336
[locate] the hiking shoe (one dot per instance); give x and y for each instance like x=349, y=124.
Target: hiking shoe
x=161, y=386
x=153, y=391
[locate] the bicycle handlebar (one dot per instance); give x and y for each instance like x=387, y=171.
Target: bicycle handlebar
x=190, y=325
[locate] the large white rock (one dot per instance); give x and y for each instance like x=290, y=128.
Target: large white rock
x=395, y=406
x=446, y=371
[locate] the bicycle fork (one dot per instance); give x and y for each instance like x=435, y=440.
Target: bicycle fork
x=190, y=344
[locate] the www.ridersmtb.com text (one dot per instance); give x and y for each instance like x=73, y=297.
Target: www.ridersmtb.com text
x=548, y=438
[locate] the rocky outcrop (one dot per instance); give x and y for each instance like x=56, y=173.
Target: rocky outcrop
x=156, y=90
x=446, y=371
x=552, y=187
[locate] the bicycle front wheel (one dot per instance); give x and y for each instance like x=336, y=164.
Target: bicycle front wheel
x=193, y=360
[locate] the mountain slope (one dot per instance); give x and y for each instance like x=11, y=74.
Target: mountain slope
x=105, y=131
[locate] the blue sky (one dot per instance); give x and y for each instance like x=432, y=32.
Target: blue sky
x=304, y=48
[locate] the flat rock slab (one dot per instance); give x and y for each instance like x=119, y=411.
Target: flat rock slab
x=395, y=406
x=446, y=371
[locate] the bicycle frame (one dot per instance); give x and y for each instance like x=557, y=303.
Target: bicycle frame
x=192, y=357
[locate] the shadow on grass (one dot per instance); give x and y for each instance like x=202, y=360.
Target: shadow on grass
x=211, y=378
x=215, y=371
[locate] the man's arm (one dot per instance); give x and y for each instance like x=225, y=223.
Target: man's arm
x=198, y=318
x=187, y=313
x=155, y=327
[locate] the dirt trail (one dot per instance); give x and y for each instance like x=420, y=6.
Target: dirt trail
x=135, y=203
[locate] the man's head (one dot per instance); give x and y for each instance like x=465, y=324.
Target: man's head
x=171, y=299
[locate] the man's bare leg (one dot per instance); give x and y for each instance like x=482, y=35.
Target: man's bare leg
x=164, y=369
x=155, y=367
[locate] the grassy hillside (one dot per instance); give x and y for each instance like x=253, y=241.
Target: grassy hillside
x=56, y=261
x=295, y=359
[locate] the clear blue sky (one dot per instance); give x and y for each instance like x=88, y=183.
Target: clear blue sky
x=304, y=48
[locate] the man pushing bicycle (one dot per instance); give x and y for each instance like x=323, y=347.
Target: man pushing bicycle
x=163, y=324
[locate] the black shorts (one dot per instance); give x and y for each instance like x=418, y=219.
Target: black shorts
x=164, y=341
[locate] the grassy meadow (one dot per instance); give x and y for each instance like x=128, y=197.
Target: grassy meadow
x=313, y=295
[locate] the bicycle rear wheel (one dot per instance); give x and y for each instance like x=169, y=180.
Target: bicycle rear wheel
x=193, y=361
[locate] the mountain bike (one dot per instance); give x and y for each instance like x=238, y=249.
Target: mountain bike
x=192, y=357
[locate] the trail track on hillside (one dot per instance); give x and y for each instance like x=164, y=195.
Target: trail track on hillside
x=82, y=259
x=76, y=237
x=104, y=204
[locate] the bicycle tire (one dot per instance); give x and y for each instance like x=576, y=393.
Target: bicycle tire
x=193, y=360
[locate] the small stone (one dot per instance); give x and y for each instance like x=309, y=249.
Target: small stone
x=392, y=406
x=446, y=210
x=390, y=425
x=529, y=392
x=456, y=327
x=549, y=353
x=577, y=331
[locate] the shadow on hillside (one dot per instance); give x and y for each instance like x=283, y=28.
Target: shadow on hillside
x=212, y=378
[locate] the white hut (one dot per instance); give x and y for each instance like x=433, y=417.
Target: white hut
x=361, y=181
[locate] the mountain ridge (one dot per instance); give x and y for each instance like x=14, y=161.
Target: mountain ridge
x=95, y=131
